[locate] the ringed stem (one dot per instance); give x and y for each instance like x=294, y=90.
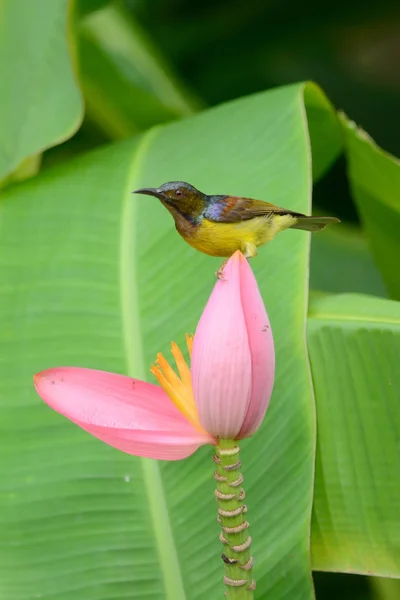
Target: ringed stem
x=229, y=493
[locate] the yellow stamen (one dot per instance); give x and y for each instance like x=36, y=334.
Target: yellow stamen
x=180, y=390
x=170, y=374
x=189, y=343
x=182, y=366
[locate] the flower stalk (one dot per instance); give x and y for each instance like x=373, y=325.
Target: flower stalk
x=232, y=512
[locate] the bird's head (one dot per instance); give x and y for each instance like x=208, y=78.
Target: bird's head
x=179, y=197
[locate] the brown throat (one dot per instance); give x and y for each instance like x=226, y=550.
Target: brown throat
x=185, y=224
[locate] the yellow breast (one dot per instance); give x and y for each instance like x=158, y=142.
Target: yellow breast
x=223, y=239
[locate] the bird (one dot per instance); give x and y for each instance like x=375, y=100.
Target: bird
x=219, y=225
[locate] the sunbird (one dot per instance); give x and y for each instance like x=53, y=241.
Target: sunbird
x=219, y=224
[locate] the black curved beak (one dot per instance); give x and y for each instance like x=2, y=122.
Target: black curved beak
x=150, y=192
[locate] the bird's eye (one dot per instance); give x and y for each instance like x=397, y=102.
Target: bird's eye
x=178, y=193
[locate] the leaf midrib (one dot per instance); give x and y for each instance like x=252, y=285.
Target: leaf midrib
x=305, y=311
x=133, y=343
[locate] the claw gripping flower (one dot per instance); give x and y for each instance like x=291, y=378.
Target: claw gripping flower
x=221, y=398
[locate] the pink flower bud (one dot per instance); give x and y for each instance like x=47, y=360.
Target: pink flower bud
x=233, y=356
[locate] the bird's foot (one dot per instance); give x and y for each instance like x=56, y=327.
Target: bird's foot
x=220, y=273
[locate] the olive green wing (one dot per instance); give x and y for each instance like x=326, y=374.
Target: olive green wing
x=233, y=209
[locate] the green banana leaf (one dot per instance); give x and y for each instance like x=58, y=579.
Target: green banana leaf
x=127, y=85
x=385, y=589
x=375, y=181
x=34, y=53
x=354, y=347
x=341, y=261
x=96, y=277
x=85, y=7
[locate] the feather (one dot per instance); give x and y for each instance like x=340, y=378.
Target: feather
x=233, y=209
x=314, y=223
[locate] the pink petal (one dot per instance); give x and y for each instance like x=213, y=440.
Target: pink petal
x=221, y=359
x=233, y=355
x=133, y=416
x=261, y=348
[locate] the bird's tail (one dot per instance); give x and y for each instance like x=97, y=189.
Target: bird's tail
x=314, y=223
